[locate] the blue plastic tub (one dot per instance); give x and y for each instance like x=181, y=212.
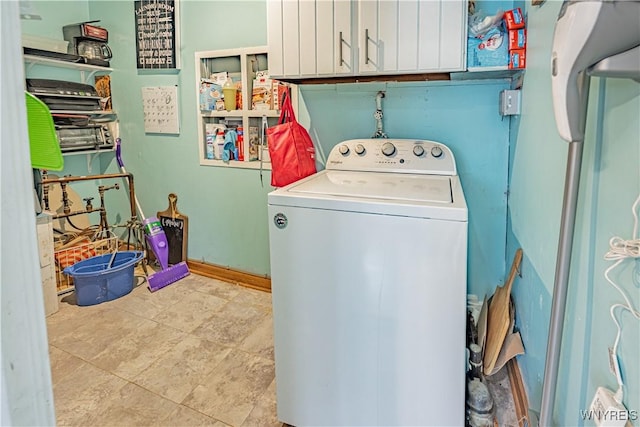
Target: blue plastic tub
x=95, y=282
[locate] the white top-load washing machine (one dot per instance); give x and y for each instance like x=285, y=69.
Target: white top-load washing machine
x=368, y=275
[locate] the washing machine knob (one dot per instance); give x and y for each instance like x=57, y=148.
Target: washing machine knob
x=359, y=149
x=418, y=150
x=388, y=149
x=344, y=150
x=436, y=152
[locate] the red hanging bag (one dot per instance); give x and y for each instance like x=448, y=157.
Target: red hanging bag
x=290, y=148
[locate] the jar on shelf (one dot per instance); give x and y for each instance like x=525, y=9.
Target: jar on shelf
x=229, y=92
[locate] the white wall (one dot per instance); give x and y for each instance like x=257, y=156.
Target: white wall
x=27, y=397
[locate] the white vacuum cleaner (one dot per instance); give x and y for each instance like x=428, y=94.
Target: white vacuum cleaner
x=600, y=38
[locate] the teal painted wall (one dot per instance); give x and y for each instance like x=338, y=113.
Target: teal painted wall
x=54, y=15
x=227, y=207
x=463, y=115
x=610, y=183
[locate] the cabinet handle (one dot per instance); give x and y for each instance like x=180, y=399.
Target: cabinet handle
x=340, y=50
x=366, y=46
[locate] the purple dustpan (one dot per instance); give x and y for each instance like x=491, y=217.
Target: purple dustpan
x=168, y=276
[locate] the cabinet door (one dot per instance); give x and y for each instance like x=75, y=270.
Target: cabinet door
x=409, y=36
x=334, y=47
x=309, y=34
x=442, y=35
x=343, y=37
x=291, y=38
x=310, y=38
x=368, y=40
x=388, y=36
x=284, y=38
x=316, y=38
x=453, y=35
x=274, y=37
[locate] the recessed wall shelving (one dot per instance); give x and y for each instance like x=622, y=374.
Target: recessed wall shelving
x=242, y=66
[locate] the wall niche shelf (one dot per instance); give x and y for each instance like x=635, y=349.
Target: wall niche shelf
x=242, y=66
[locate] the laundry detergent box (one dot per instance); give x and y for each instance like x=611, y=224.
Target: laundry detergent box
x=513, y=19
x=517, y=39
x=492, y=50
x=211, y=91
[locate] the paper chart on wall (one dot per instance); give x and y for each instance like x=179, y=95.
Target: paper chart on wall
x=160, y=106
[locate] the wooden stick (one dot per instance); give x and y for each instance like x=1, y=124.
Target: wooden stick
x=520, y=400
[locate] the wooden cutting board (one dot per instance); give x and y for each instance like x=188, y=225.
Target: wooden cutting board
x=176, y=228
x=498, y=320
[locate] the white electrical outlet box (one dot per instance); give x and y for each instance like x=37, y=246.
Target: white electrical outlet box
x=509, y=102
x=606, y=412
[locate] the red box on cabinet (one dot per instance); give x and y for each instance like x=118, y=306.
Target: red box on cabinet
x=517, y=59
x=518, y=39
x=514, y=19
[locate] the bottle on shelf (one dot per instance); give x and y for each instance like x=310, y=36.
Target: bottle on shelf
x=240, y=144
x=229, y=94
x=209, y=147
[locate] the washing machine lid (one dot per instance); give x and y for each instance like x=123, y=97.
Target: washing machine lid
x=428, y=196
x=386, y=186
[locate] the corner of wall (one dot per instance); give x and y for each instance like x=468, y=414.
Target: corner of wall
x=533, y=306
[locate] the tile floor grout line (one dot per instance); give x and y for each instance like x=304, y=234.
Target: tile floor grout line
x=256, y=332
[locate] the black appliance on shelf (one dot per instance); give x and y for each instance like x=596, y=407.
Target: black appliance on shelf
x=79, y=120
x=88, y=41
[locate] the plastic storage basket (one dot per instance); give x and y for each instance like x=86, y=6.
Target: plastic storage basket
x=95, y=282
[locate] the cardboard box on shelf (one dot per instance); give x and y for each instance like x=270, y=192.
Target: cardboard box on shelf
x=103, y=87
x=262, y=93
x=262, y=96
x=517, y=59
x=489, y=51
x=514, y=19
x=211, y=92
x=279, y=89
x=275, y=99
x=239, y=95
x=517, y=39
x=254, y=142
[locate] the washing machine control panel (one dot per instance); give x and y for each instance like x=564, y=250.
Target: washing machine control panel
x=393, y=155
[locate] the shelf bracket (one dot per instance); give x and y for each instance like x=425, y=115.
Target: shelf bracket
x=91, y=74
x=84, y=77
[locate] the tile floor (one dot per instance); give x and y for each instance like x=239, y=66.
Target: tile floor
x=195, y=353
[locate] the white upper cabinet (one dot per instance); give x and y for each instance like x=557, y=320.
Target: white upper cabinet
x=310, y=38
x=327, y=38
